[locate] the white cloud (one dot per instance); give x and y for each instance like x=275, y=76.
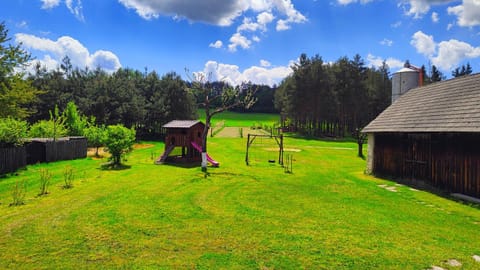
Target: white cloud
x=74, y=6
x=386, y=42
x=435, y=17
x=248, y=25
x=265, y=63
x=221, y=13
x=55, y=51
x=423, y=43
x=446, y=54
x=218, y=44
x=232, y=74
x=282, y=25
x=468, y=13
x=224, y=13
x=377, y=61
x=237, y=40
x=47, y=4
x=449, y=26
x=418, y=8
x=265, y=18
x=452, y=52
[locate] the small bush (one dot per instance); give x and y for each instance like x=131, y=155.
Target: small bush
x=48, y=129
x=45, y=177
x=12, y=132
x=119, y=141
x=96, y=137
x=68, y=177
x=19, y=191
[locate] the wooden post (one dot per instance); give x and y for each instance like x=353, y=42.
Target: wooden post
x=246, y=154
x=280, y=154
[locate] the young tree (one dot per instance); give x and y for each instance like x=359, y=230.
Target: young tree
x=96, y=136
x=15, y=92
x=12, y=132
x=215, y=101
x=462, y=71
x=119, y=141
x=74, y=121
x=436, y=75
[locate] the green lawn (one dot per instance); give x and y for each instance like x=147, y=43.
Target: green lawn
x=326, y=215
x=234, y=119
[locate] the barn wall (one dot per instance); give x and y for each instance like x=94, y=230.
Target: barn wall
x=447, y=161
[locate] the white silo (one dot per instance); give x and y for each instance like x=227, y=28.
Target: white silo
x=404, y=80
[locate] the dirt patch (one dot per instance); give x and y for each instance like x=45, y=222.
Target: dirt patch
x=142, y=145
x=101, y=153
x=296, y=150
x=234, y=132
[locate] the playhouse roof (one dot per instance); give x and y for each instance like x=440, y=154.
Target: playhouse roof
x=181, y=123
x=446, y=106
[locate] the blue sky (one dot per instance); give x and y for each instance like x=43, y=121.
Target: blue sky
x=249, y=40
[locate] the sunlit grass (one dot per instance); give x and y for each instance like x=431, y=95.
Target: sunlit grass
x=326, y=215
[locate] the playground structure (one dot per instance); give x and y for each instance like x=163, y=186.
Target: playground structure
x=261, y=144
x=187, y=135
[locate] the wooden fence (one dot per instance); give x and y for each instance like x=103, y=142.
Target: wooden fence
x=42, y=150
x=450, y=162
x=48, y=150
x=12, y=158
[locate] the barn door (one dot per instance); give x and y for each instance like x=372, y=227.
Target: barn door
x=417, y=157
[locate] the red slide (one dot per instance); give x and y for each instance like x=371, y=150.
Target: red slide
x=210, y=159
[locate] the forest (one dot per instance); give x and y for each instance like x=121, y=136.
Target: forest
x=317, y=99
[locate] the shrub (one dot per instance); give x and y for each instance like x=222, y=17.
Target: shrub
x=119, y=141
x=45, y=177
x=19, y=191
x=75, y=123
x=68, y=177
x=12, y=132
x=53, y=128
x=96, y=137
x=47, y=129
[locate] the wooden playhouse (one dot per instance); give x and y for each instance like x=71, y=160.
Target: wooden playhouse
x=186, y=136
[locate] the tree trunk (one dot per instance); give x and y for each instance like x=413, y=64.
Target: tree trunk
x=204, y=140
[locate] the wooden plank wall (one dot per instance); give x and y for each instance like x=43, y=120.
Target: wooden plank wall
x=12, y=158
x=447, y=161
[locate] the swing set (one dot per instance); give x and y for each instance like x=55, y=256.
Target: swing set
x=261, y=142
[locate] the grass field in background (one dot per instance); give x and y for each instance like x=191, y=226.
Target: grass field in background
x=235, y=119
x=325, y=215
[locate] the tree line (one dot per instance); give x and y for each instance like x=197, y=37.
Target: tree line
x=339, y=98
x=332, y=99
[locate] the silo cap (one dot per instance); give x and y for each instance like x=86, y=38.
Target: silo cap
x=406, y=70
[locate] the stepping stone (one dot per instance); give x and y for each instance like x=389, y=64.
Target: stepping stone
x=454, y=263
x=476, y=258
x=436, y=268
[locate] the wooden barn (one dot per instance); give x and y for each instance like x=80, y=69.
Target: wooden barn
x=184, y=134
x=431, y=135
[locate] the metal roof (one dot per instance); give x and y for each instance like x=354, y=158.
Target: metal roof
x=446, y=106
x=181, y=123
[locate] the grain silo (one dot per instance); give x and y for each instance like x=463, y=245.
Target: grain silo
x=405, y=79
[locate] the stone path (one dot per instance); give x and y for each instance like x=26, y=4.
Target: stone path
x=453, y=263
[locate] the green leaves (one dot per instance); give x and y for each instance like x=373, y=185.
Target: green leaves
x=119, y=141
x=12, y=131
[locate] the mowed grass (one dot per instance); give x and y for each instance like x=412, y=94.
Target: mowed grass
x=326, y=215
x=235, y=119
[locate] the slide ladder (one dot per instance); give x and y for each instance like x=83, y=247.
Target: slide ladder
x=165, y=154
x=209, y=159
